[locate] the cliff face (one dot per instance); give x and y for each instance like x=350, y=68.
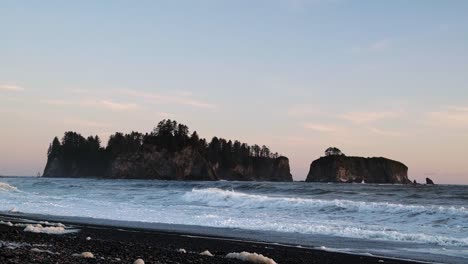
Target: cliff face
x=258, y=169
x=169, y=152
x=340, y=168
x=187, y=164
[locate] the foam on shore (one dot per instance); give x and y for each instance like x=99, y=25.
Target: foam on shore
x=251, y=257
x=37, y=250
x=38, y=228
x=206, y=253
x=6, y=223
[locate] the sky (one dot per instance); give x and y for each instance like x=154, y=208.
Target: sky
x=373, y=78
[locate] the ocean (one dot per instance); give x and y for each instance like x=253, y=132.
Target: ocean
x=426, y=223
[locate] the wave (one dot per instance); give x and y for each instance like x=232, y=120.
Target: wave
x=215, y=197
x=391, y=235
x=7, y=187
x=228, y=198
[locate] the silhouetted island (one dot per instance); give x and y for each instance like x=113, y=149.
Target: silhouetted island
x=337, y=167
x=167, y=153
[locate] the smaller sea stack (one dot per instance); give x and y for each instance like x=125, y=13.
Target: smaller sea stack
x=337, y=167
x=429, y=181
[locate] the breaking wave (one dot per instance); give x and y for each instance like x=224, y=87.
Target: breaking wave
x=7, y=187
x=426, y=218
x=229, y=198
x=347, y=223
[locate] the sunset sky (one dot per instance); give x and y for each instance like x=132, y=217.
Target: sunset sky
x=373, y=78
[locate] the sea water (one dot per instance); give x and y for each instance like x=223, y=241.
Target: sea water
x=419, y=222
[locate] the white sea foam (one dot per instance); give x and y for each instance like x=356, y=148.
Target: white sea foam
x=206, y=253
x=425, y=218
x=251, y=257
x=37, y=250
x=38, y=228
x=13, y=245
x=51, y=224
x=362, y=232
x=225, y=198
x=215, y=197
x=7, y=187
x=6, y=223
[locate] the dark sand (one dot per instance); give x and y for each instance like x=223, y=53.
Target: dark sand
x=113, y=245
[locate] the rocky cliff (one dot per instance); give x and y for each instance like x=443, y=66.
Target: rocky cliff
x=258, y=169
x=167, y=153
x=187, y=164
x=340, y=168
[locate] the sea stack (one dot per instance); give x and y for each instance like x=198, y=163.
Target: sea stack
x=429, y=181
x=169, y=152
x=337, y=167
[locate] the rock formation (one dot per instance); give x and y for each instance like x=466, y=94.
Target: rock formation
x=168, y=153
x=429, y=181
x=186, y=164
x=259, y=169
x=340, y=168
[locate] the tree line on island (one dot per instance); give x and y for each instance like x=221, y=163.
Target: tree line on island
x=168, y=137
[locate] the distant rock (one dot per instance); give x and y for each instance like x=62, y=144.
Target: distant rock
x=340, y=168
x=429, y=181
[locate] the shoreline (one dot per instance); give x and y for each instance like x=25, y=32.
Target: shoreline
x=126, y=243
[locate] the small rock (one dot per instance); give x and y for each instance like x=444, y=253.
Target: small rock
x=139, y=261
x=206, y=253
x=84, y=255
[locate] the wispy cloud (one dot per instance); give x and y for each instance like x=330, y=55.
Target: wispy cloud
x=450, y=115
x=321, y=127
x=58, y=102
x=458, y=108
x=301, y=110
x=385, y=132
x=85, y=123
x=164, y=114
x=112, y=105
x=181, y=98
x=11, y=87
x=376, y=46
x=367, y=117
x=381, y=45
x=106, y=104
